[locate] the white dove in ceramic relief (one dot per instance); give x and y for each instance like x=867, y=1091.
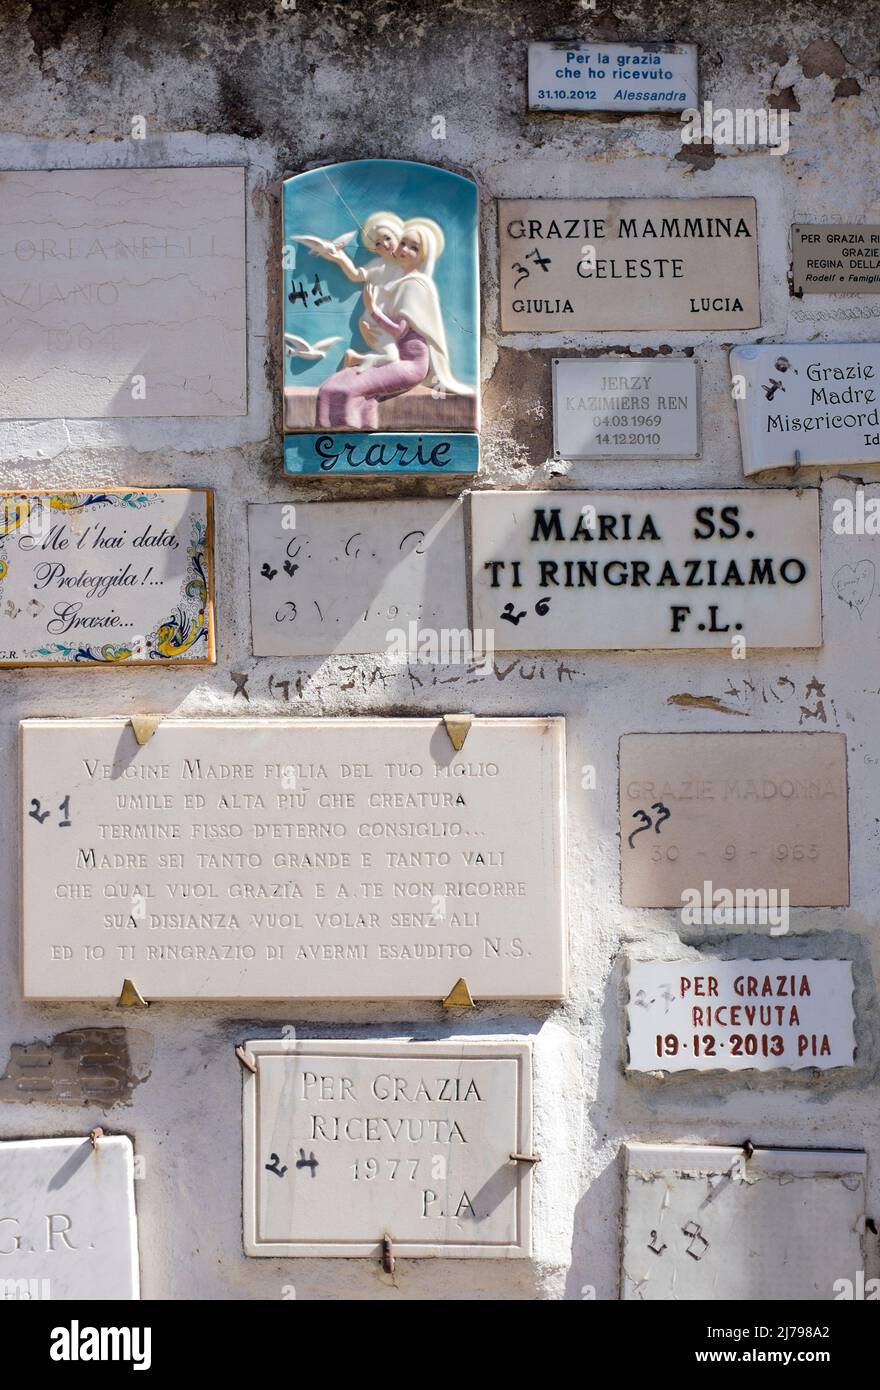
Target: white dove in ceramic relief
x=320, y=246
x=313, y=352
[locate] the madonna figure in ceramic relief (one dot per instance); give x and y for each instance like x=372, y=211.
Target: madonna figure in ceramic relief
x=403, y=325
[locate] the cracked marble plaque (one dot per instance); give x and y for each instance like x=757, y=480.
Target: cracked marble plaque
x=356, y=577
x=806, y=404
x=292, y=859
x=591, y=265
x=707, y=1014
x=346, y=1143
x=106, y=577
x=67, y=1219
x=631, y=571
x=707, y=1223
x=705, y=815
x=122, y=293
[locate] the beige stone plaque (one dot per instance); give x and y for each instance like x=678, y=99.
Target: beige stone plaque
x=122, y=292
x=607, y=571
x=346, y=1143
x=330, y=858
x=595, y=264
x=835, y=258
x=106, y=577
x=746, y=813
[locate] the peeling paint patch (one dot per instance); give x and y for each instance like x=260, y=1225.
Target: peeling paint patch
x=822, y=56
x=698, y=156
x=91, y=1066
x=786, y=100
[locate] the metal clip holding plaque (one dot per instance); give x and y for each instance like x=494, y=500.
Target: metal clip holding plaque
x=143, y=726
x=525, y=1158
x=131, y=997
x=459, y=997
x=246, y=1059
x=458, y=726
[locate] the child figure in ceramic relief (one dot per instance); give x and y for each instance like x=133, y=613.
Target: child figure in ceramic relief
x=408, y=309
x=380, y=233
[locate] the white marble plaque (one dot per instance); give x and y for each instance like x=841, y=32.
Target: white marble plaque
x=106, y=577
x=599, y=264
x=633, y=77
x=348, y=1142
x=356, y=577
x=807, y=403
x=707, y=1014
x=625, y=407
x=67, y=1219
x=705, y=1222
x=281, y=859
x=122, y=292
x=703, y=816
x=629, y=571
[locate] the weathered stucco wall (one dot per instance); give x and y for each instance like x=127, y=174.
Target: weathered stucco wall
x=275, y=88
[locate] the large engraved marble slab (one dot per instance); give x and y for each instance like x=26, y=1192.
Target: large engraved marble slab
x=346, y=1143
x=805, y=404
x=701, y=813
x=606, y=571
x=707, y=1014
x=67, y=1219
x=334, y=858
x=705, y=1222
x=355, y=577
x=122, y=292
x=106, y=577
x=598, y=264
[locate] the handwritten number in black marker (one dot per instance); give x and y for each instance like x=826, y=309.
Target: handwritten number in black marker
x=663, y=814
x=646, y=825
x=509, y=616
x=38, y=814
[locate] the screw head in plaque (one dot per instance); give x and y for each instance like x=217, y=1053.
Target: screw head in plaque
x=381, y=320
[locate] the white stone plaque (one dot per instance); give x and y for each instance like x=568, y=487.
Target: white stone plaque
x=807, y=403
x=633, y=77
x=346, y=1143
x=67, y=1219
x=594, y=265
x=706, y=1222
x=281, y=859
x=358, y=577
x=625, y=407
x=709, y=820
x=629, y=571
x=122, y=293
x=106, y=577
x=707, y=1014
